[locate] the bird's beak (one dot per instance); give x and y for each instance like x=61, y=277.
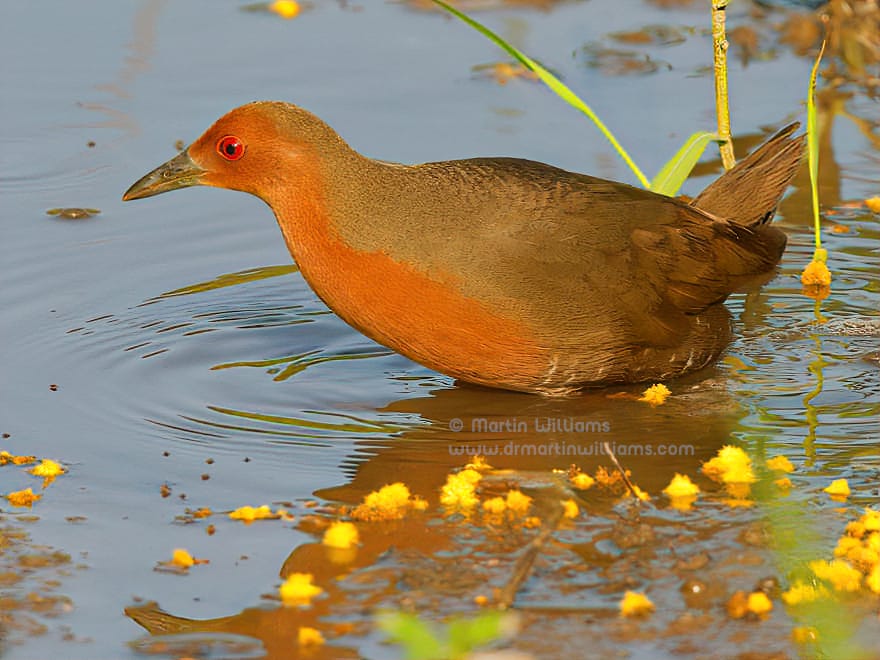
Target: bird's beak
x=179, y=172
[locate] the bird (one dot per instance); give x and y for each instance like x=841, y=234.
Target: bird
x=503, y=272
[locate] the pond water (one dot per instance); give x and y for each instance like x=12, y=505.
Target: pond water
x=169, y=354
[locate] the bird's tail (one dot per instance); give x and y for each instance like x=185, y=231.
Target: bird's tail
x=749, y=193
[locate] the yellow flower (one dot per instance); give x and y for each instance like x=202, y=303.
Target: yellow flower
x=656, y=394
x=873, y=541
x=285, y=8
x=182, y=558
x=459, y=491
x=306, y=636
x=804, y=634
x=839, y=573
x=640, y=494
x=24, y=497
x=47, y=468
x=873, y=204
x=739, y=474
x=298, y=589
x=635, y=604
x=391, y=502
x=845, y=544
x=494, y=506
x=863, y=558
x=342, y=535
x=730, y=465
x=570, y=509
x=816, y=274
x=517, y=502
x=738, y=490
x=532, y=522
x=249, y=514
x=784, y=483
x=871, y=520
x=681, y=486
x=838, y=488
x=582, y=481
x=803, y=593
x=682, y=492
x=780, y=464
x=758, y=603
x=6, y=457
x=479, y=464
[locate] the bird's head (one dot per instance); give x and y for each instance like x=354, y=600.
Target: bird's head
x=264, y=148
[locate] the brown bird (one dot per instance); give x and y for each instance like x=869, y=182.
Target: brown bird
x=504, y=272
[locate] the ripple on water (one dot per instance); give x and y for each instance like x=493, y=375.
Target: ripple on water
x=213, y=362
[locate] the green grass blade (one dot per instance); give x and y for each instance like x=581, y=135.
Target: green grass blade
x=813, y=152
x=553, y=83
x=677, y=169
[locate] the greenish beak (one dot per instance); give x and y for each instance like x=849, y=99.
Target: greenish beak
x=179, y=172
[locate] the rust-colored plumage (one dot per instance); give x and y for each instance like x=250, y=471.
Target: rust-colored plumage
x=501, y=271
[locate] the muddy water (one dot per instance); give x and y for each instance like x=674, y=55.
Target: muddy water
x=187, y=352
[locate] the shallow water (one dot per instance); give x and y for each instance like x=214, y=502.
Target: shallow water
x=188, y=351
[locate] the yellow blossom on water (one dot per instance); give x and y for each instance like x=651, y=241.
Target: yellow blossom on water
x=758, y=603
x=47, y=468
x=803, y=593
x=306, y=636
x=517, y=502
x=656, y=394
x=249, y=513
x=816, y=274
x=582, y=481
x=479, y=464
x=285, y=8
x=784, y=483
x=495, y=505
x=863, y=558
x=804, y=634
x=780, y=464
x=739, y=474
x=873, y=541
x=24, y=497
x=570, y=509
x=298, y=589
x=682, y=492
x=730, y=465
x=839, y=573
x=391, y=502
x=845, y=544
x=738, y=490
x=873, y=204
x=182, y=558
x=838, y=488
x=681, y=486
x=342, y=535
x=640, y=494
x=6, y=457
x=459, y=493
x=873, y=579
x=871, y=520
x=635, y=604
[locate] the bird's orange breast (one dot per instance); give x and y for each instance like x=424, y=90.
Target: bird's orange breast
x=424, y=317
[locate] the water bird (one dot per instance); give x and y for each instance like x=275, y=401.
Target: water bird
x=503, y=272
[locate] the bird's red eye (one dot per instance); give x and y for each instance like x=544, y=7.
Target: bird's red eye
x=230, y=147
